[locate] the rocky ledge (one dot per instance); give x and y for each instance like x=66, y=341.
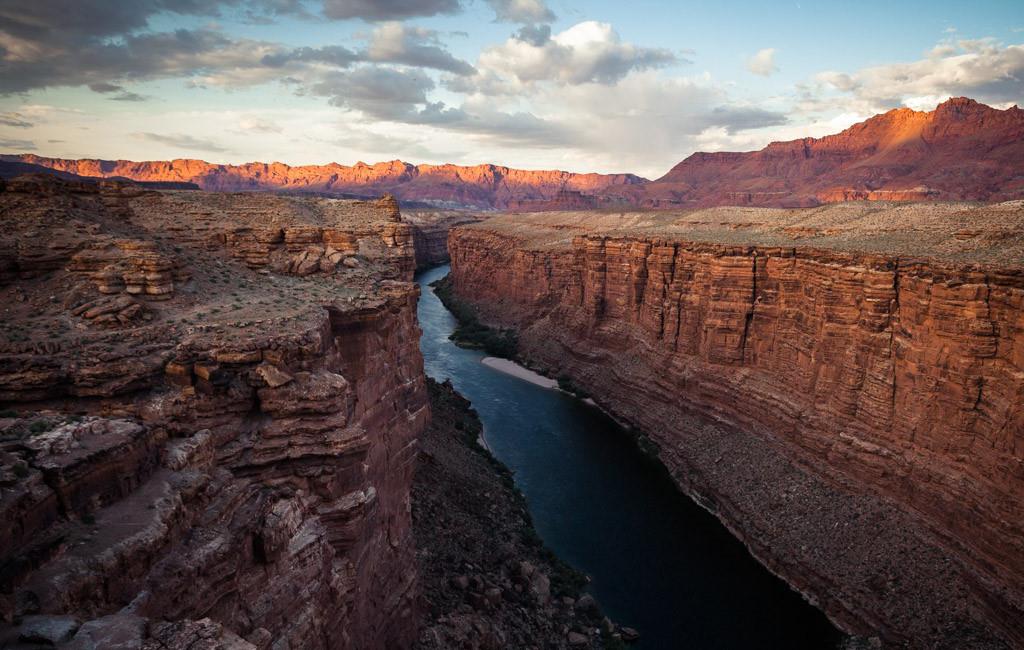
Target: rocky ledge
x=851, y=411
x=208, y=412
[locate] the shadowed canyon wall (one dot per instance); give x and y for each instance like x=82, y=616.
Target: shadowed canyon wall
x=217, y=450
x=876, y=375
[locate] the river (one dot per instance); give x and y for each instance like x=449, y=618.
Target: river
x=658, y=562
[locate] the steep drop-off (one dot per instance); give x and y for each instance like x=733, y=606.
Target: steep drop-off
x=430, y=233
x=479, y=186
x=210, y=407
x=853, y=413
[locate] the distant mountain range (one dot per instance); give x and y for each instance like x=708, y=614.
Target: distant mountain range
x=962, y=150
x=479, y=186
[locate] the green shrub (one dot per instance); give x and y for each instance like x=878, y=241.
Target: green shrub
x=470, y=332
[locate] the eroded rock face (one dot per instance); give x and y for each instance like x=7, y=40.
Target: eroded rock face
x=891, y=377
x=447, y=186
x=233, y=467
x=962, y=150
x=430, y=233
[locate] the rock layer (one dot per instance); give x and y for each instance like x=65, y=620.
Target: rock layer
x=478, y=186
x=962, y=150
x=896, y=379
x=233, y=470
x=430, y=233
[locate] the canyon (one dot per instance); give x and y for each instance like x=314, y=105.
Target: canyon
x=961, y=150
x=216, y=432
x=841, y=386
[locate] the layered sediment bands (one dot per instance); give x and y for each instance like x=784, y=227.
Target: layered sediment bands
x=886, y=477
x=430, y=233
x=234, y=469
x=452, y=186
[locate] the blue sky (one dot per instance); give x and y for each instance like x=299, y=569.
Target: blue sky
x=584, y=86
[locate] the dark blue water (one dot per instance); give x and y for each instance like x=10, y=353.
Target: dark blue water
x=659, y=563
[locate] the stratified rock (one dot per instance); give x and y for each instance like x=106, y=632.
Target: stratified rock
x=479, y=186
x=962, y=150
x=228, y=466
x=852, y=413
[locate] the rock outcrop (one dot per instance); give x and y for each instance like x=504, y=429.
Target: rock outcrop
x=210, y=404
x=851, y=410
x=962, y=150
x=430, y=233
x=448, y=186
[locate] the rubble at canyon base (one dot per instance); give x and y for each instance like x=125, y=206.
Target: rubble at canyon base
x=487, y=580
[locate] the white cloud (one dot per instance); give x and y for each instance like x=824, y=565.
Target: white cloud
x=982, y=69
x=763, y=63
x=588, y=52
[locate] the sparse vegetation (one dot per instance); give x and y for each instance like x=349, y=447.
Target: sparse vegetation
x=470, y=332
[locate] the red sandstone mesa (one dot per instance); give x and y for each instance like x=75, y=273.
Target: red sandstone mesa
x=854, y=414
x=962, y=150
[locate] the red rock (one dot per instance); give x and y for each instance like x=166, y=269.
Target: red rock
x=898, y=376
x=482, y=186
x=962, y=150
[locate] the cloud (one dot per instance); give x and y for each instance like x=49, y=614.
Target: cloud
x=395, y=42
x=381, y=92
x=335, y=55
x=104, y=63
x=257, y=125
x=16, y=120
x=521, y=11
x=763, y=63
x=589, y=52
x=17, y=145
x=181, y=141
x=121, y=95
x=388, y=9
x=128, y=96
x=983, y=69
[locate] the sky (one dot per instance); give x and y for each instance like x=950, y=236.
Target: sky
x=598, y=86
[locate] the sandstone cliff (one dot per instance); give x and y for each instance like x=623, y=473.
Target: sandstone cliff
x=962, y=150
x=210, y=407
x=430, y=233
x=478, y=186
x=852, y=412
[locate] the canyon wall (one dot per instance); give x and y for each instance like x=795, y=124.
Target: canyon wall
x=430, y=233
x=895, y=384
x=210, y=412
